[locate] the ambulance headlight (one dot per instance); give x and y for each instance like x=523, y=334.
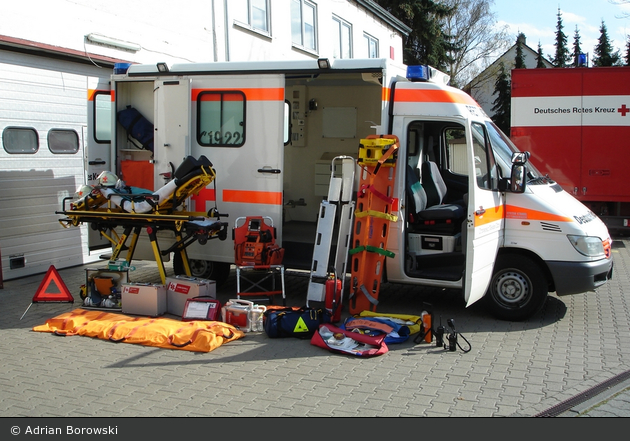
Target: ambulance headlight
x=588, y=245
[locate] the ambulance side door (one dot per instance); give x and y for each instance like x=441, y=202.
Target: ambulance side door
x=238, y=124
x=485, y=216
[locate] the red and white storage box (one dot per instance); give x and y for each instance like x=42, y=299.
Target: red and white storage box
x=181, y=288
x=143, y=299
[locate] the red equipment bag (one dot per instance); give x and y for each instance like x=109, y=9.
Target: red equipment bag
x=255, y=242
x=348, y=342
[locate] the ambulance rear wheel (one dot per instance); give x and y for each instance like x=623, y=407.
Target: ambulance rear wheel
x=518, y=289
x=203, y=269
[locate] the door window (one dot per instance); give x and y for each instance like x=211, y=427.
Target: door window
x=221, y=119
x=486, y=170
x=102, y=117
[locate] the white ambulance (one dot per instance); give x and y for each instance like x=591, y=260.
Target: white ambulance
x=472, y=214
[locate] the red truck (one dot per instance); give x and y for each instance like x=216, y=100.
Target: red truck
x=575, y=122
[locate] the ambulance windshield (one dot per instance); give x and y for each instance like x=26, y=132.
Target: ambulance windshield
x=503, y=149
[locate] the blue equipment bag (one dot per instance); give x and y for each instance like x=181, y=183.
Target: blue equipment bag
x=137, y=126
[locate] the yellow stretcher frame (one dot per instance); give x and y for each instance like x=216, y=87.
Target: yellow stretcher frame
x=188, y=227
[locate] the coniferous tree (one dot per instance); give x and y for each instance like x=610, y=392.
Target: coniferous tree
x=577, y=50
x=628, y=52
x=519, y=60
x=427, y=43
x=562, y=53
x=604, y=55
x=540, y=64
x=501, y=104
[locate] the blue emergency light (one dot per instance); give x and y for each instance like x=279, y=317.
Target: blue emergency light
x=418, y=73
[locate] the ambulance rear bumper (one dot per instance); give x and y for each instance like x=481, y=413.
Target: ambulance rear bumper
x=578, y=277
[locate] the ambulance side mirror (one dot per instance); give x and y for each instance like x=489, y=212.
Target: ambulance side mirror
x=517, y=180
x=519, y=172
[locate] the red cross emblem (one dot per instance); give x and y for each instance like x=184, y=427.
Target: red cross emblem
x=623, y=110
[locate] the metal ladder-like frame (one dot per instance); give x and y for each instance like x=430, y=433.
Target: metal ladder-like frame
x=340, y=195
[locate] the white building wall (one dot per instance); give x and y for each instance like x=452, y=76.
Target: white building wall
x=40, y=91
x=188, y=31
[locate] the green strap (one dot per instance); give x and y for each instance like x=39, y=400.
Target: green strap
x=372, y=249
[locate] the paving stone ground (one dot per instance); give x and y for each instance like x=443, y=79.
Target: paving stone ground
x=514, y=369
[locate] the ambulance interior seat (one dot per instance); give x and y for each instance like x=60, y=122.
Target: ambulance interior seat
x=428, y=209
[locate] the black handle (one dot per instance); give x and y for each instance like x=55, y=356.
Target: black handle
x=274, y=171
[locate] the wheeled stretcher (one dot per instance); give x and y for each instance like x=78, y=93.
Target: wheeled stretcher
x=107, y=207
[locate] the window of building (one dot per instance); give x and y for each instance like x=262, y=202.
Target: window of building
x=253, y=13
x=221, y=118
x=304, y=24
x=20, y=140
x=372, y=46
x=102, y=117
x=63, y=141
x=342, y=38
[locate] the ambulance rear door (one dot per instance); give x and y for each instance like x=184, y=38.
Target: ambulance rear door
x=98, y=146
x=172, y=127
x=238, y=124
x=485, y=216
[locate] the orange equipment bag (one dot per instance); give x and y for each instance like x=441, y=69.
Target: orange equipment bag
x=255, y=242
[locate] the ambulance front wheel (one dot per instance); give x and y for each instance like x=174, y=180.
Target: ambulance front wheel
x=203, y=269
x=518, y=288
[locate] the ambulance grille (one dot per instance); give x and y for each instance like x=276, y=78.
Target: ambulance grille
x=551, y=227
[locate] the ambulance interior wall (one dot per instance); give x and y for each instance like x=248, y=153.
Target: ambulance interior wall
x=143, y=100
x=300, y=161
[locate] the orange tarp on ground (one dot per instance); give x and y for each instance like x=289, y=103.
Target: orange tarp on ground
x=198, y=335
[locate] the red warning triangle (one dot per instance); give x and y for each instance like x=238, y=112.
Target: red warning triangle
x=61, y=295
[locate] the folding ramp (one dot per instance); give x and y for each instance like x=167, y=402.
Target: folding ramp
x=329, y=226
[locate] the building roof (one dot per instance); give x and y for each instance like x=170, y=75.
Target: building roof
x=36, y=48
x=388, y=18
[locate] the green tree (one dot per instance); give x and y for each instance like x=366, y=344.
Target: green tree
x=427, y=43
x=577, y=50
x=540, y=63
x=519, y=60
x=477, y=38
x=603, y=52
x=627, y=59
x=562, y=57
x=501, y=104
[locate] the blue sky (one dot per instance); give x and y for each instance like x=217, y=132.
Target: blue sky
x=537, y=20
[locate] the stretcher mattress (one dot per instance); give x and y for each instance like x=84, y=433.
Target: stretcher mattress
x=163, y=332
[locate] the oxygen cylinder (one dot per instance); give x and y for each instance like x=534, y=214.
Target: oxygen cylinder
x=426, y=324
x=333, y=298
